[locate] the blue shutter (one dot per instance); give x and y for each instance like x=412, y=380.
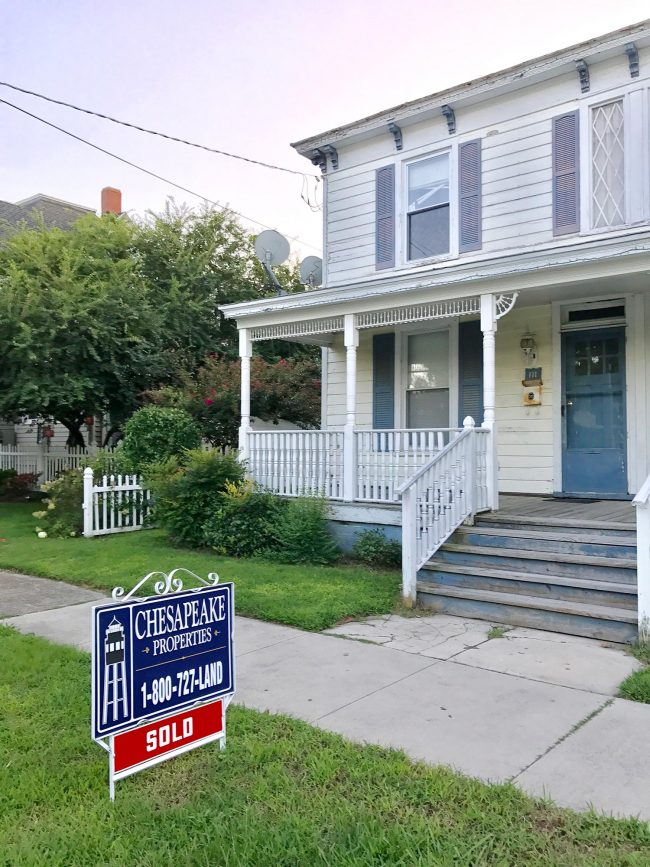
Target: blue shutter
x=383, y=381
x=470, y=371
x=385, y=217
x=469, y=195
x=566, y=174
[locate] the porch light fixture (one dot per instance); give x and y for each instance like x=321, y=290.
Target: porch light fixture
x=528, y=346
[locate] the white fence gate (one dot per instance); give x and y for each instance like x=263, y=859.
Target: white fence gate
x=117, y=504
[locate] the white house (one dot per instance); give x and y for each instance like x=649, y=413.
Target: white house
x=485, y=324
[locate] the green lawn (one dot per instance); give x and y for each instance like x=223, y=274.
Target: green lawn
x=311, y=597
x=636, y=687
x=282, y=794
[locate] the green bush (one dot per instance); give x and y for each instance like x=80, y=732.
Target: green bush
x=62, y=514
x=244, y=524
x=302, y=534
x=186, y=494
x=5, y=478
x=112, y=463
x=374, y=548
x=155, y=433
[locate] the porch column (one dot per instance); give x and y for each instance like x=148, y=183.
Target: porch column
x=489, y=328
x=245, y=353
x=351, y=340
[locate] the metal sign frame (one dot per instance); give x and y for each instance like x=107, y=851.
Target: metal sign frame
x=167, y=587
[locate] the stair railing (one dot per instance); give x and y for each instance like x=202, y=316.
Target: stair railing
x=437, y=499
x=642, y=505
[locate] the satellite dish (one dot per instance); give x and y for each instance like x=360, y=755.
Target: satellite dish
x=271, y=248
x=311, y=271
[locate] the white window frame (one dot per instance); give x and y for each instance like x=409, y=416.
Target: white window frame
x=636, y=137
x=401, y=367
x=402, y=196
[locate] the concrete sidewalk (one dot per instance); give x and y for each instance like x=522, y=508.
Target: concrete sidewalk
x=532, y=707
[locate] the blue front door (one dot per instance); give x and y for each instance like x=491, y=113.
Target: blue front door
x=594, y=433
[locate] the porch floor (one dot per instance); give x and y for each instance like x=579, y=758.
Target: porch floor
x=548, y=509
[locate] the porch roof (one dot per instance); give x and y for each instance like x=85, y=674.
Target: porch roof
x=447, y=289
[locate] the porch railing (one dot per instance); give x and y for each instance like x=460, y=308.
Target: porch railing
x=385, y=459
x=294, y=463
x=642, y=504
x=443, y=493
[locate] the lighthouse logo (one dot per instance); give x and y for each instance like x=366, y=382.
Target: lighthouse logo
x=115, y=704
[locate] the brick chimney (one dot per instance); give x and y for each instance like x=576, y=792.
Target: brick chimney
x=111, y=201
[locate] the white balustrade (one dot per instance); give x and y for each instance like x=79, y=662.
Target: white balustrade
x=443, y=493
x=295, y=463
x=117, y=504
x=642, y=505
x=385, y=459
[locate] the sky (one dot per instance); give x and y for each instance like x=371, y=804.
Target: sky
x=248, y=77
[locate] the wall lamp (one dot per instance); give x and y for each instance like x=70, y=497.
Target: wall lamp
x=529, y=347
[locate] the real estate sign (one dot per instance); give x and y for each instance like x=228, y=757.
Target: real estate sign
x=159, y=665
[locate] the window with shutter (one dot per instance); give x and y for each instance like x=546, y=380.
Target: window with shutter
x=385, y=217
x=566, y=186
x=469, y=195
x=470, y=371
x=428, y=207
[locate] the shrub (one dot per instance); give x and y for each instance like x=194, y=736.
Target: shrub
x=186, y=494
x=155, y=433
x=62, y=514
x=5, y=477
x=374, y=548
x=302, y=535
x=112, y=463
x=244, y=524
x=636, y=687
x=18, y=486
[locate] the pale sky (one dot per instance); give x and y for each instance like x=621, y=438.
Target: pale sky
x=247, y=77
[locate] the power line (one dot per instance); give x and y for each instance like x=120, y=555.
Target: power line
x=155, y=132
x=148, y=171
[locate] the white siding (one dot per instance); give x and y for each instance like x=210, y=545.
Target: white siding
x=336, y=383
x=516, y=135
x=525, y=434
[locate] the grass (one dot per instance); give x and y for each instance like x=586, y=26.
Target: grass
x=282, y=794
x=497, y=631
x=310, y=597
x=636, y=687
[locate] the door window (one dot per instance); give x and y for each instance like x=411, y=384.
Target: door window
x=427, y=395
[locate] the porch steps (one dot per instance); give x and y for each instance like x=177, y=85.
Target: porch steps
x=567, y=577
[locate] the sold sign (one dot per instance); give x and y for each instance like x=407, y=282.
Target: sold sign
x=150, y=744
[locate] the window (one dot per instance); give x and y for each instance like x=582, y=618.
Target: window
x=608, y=165
x=428, y=207
x=427, y=395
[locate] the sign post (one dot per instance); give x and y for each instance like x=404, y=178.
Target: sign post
x=163, y=671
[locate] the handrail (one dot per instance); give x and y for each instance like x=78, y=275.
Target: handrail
x=643, y=495
x=447, y=490
x=432, y=461
x=641, y=501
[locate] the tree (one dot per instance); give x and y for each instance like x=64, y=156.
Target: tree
x=78, y=324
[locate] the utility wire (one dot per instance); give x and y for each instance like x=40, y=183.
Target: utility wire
x=155, y=132
x=148, y=171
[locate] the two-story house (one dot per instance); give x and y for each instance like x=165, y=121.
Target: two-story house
x=485, y=324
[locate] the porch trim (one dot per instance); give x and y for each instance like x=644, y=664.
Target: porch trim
x=420, y=312
x=302, y=328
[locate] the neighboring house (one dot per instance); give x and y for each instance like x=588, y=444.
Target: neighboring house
x=55, y=213
x=487, y=255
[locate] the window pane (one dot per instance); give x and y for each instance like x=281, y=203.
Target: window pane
x=429, y=233
x=428, y=408
x=428, y=183
x=428, y=360
x=608, y=154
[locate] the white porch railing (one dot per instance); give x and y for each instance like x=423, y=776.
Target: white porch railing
x=447, y=490
x=385, y=459
x=117, y=504
x=642, y=504
x=293, y=463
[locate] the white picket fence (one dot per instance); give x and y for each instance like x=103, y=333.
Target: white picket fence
x=47, y=465
x=117, y=504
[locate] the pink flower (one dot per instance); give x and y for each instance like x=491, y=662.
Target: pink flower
x=208, y=401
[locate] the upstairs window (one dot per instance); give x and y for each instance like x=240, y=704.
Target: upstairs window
x=428, y=207
x=608, y=165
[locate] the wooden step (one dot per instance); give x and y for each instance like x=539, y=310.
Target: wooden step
x=561, y=587
x=574, y=618
x=539, y=562
x=567, y=534
x=515, y=521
